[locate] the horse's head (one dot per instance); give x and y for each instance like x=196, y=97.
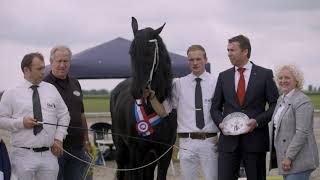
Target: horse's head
x=151, y=64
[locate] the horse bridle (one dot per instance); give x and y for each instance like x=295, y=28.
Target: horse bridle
x=155, y=61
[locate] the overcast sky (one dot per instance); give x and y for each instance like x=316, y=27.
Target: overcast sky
x=281, y=31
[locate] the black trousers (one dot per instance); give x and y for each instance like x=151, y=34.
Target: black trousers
x=254, y=164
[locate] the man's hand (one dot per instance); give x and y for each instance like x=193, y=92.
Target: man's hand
x=56, y=148
x=221, y=126
x=252, y=124
x=156, y=105
x=29, y=122
x=87, y=147
x=148, y=93
x=286, y=164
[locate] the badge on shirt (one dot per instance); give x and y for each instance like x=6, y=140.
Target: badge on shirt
x=76, y=93
x=51, y=105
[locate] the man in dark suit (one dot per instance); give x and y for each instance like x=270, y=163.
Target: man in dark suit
x=245, y=88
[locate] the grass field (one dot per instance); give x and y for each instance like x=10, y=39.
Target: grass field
x=101, y=103
x=315, y=100
x=96, y=104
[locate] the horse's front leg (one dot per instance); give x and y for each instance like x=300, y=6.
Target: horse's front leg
x=163, y=164
x=148, y=172
x=136, y=161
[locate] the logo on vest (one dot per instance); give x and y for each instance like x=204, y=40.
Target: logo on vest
x=76, y=93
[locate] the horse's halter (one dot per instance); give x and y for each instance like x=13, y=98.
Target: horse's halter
x=155, y=61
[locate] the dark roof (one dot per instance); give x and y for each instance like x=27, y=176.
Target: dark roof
x=111, y=60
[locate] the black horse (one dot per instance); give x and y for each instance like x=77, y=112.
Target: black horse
x=151, y=67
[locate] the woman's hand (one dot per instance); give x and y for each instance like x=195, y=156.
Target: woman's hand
x=286, y=164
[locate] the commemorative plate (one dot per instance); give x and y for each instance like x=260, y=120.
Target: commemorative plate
x=235, y=123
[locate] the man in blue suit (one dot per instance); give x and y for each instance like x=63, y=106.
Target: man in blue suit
x=245, y=88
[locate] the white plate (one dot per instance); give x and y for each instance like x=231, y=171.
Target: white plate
x=235, y=124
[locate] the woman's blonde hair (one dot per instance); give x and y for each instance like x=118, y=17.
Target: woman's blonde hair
x=294, y=70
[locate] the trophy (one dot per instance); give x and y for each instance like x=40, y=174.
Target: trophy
x=235, y=124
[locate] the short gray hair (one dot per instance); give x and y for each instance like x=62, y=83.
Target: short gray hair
x=59, y=48
x=294, y=70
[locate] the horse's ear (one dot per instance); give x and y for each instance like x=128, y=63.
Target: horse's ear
x=158, y=31
x=134, y=25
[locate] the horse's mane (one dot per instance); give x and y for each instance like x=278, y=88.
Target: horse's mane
x=142, y=55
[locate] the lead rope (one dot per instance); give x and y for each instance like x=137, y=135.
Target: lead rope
x=116, y=169
x=155, y=60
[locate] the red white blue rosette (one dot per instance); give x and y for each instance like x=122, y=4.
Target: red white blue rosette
x=142, y=126
x=144, y=122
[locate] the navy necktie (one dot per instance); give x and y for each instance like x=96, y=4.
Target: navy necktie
x=37, y=113
x=199, y=105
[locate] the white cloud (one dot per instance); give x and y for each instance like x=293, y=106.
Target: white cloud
x=286, y=31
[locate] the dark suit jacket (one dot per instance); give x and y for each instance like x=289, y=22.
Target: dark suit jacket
x=261, y=90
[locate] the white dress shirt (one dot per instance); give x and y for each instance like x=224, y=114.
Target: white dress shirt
x=17, y=103
x=246, y=75
x=184, y=102
x=283, y=104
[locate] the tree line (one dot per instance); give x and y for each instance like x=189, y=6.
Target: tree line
x=94, y=92
x=313, y=89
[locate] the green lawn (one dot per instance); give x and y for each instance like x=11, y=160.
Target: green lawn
x=96, y=104
x=315, y=100
x=274, y=178
x=101, y=103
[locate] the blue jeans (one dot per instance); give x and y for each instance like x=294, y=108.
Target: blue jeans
x=298, y=176
x=71, y=168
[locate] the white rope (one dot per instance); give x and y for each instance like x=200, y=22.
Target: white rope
x=171, y=146
x=201, y=154
x=116, y=169
x=155, y=59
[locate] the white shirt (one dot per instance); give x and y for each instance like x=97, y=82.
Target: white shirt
x=16, y=104
x=283, y=104
x=184, y=102
x=246, y=75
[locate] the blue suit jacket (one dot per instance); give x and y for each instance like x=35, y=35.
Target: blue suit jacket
x=261, y=90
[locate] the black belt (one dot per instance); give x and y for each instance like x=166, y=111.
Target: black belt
x=41, y=149
x=197, y=135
